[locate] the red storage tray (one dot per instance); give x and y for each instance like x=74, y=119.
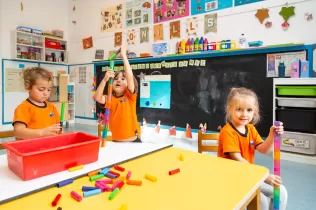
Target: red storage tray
x=52, y=44
x=38, y=157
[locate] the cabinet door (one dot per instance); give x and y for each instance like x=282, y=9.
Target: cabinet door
x=63, y=88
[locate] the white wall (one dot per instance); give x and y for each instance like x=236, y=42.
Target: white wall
x=231, y=23
x=40, y=14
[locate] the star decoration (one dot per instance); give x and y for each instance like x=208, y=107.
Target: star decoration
x=262, y=14
x=141, y=76
x=287, y=12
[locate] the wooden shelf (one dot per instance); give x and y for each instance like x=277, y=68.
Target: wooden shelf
x=27, y=45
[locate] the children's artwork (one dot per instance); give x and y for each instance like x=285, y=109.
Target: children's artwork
x=175, y=29
x=13, y=80
x=158, y=32
x=203, y=6
x=210, y=23
x=243, y=2
x=191, y=27
x=82, y=74
x=165, y=10
x=99, y=54
x=87, y=42
x=112, y=18
x=262, y=14
x=144, y=34
x=155, y=91
x=117, y=39
x=138, y=12
x=287, y=12
x=160, y=49
x=131, y=36
x=273, y=61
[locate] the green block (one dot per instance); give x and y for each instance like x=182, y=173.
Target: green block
x=93, y=178
x=114, y=193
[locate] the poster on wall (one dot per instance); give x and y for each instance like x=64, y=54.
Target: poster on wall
x=165, y=10
x=155, y=91
x=273, y=61
x=138, y=12
x=112, y=18
x=243, y=2
x=203, y=6
x=13, y=80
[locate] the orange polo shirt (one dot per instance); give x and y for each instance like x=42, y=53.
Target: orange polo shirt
x=36, y=117
x=123, y=119
x=231, y=140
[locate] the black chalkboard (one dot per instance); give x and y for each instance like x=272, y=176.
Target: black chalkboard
x=198, y=93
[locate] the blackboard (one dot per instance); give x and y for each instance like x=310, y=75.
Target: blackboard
x=198, y=93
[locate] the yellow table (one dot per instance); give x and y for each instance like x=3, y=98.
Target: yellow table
x=204, y=182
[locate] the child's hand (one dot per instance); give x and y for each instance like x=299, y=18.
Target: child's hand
x=279, y=129
x=51, y=130
x=123, y=50
x=273, y=180
x=109, y=74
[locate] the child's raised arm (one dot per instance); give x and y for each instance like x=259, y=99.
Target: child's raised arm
x=99, y=93
x=128, y=71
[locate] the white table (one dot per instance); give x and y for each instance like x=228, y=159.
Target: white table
x=12, y=187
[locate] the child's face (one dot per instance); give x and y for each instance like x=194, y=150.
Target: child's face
x=242, y=110
x=40, y=91
x=119, y=84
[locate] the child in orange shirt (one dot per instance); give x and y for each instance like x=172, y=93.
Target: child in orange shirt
x=239, y=139
x=36, y=117
x=123, y=119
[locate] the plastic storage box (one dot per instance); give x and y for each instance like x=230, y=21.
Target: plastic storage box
x=34, y=158
x=299, y=143
x=297, y=102
x=309, y=91
x=297, y=120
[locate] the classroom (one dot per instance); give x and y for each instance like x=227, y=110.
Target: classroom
x=158, y=104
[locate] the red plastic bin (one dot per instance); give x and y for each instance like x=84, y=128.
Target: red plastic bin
x=38, y=157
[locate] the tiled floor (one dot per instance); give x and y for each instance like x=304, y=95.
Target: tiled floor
x=299, y=179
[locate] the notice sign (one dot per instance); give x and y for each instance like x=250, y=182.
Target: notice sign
x=297, y=143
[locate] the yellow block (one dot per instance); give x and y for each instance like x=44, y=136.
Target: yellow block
x=75, y=168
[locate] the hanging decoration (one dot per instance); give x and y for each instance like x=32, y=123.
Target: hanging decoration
x=308, y=16
x=175, y=29
x=262, y=14
x=286, y=13
x=131, y=37
x=74, y=7
x=158, y=32
x=210, y=23
x=144, y=34
x=191, y=27
x=22, y=7
x=87, y=42
x=74, y=22
x=118, y=39
x=268, y=24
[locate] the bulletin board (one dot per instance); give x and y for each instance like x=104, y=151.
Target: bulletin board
x=203, y=6
x=165, y=10
x=13, y=92
x=84, y=105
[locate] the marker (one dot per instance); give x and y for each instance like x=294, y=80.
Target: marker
x=86, y=188
x=103, y=187
x=93, y=173
x=174, y=171
x=93, y=178
x=75, y=168
x=134, y=182
x=106, y=181
x=91, y=192
x=104, y=171
x=76, y=196
x=55, y=201
x=151, y=178
x=63, y=183
x=129, y=173
x=114, y=173
x=111, y=176
x=181, y=157
x=114, y=193
x=119, y=168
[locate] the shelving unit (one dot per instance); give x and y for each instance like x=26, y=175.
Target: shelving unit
x=294, y=103
x=29, y=46
x=71, y=102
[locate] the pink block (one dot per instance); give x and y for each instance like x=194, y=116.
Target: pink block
x=277, y=164
x=128, y=175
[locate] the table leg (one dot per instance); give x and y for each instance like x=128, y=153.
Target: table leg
x=253, y=203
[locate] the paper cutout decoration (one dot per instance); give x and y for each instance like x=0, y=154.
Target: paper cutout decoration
x=141, y=77
x=74, y=22
x=111, y=18
x=144, y=34
x=175, y=29
x=188, y=132
x=22, y=7
x=308, y=16
x=158, y=32
x=157, y=128
x=210, y=23
x=268, y=24
x=191, y=27
x=287, y=12
x=172, y=131
x=87, y=42
x=118, y=39
x=131, y=36
x=285, y=26
x=262, y=14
